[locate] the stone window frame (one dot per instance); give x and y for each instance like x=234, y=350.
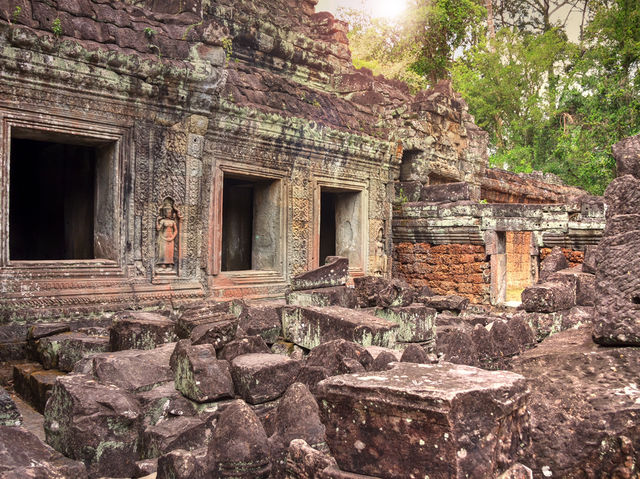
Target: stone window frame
x=50, y=126
x=244, y=277
x=337, y=185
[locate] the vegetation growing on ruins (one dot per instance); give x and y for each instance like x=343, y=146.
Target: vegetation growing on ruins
x=549, y=102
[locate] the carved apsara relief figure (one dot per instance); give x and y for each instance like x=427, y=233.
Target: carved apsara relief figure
x=167, y=226
x=380, y=265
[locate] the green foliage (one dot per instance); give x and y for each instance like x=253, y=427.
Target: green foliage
x=16, y=13
x=56, y=27
x=149, y=32
x=437, y=29
x=227, y=45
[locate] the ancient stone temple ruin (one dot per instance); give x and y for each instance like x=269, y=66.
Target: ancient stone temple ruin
x=226, y=252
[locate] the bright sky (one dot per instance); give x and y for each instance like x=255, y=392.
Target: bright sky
x=378, y=8
x=393, y=8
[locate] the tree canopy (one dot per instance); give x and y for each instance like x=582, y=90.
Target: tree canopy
x=549, y=103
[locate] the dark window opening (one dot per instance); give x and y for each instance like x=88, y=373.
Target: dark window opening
x=327, y=225
x=237, y=224
x=52, y=195
x=250, y=224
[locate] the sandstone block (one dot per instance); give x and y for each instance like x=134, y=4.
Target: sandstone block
x=394, y=294
x=446, y=193
x=419, y=420
x=417, y=323
x=134, y=370
x=200, y=376
x=366, y=289
x=305, y=462
x=331, y=356
x=33, y=383
x=41, y=330
x=334, y=273
x=336, y=296
x=141, y=330
x=246, y=345
x=297, y=417
x=181, y=464
x=263, y=320
x=93, y=423
x=239, y=447
x=9, y=414
x=186, y=433
x=555, y=261
x=310, y=326
x=199, y=314
x=446, y=303
x=548, y=297
x=63, y=351
x=23, y=455
x=259, y=378
x=217, y=333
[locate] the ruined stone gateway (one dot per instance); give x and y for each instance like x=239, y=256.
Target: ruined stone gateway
x=225, y=252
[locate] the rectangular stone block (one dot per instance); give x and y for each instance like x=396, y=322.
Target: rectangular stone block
x=334, y=273
x=446, y=193
x=310, y=326
x=417, y=323
x=336, y=296
x=421, y=420
x=549, y=297
x=33, y=383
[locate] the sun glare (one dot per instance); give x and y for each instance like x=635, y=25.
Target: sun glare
x=390, y=9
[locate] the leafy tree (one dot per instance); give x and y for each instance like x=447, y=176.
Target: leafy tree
x=435, y=30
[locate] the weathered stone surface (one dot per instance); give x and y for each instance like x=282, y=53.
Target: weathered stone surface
x=297, y=417
x=548, y=297
x=457, y=346
x=186, y=433
x=305, y=462
x=583, y=284
x=446, y=193
x=207, y=313
x=259, y=378
x=310, y=326
x=23, y=456
x=446, y=303
x=366, y=289
x=382, y=360
x=200, y=376
x=40, y=330
x=180, y=464
x=555, y=261
x=63, y=351
x=133, y=370
x=394, y=294
x=246, y=345
x=517, y=471
x=146, y=467
x=332, y=355
x=141, y=330
x=589, y=263
x=335, y=296
x=389, y=424
x=584, y=407
x=239, y=447
x=94, y=423
x=617, y=314
x=9, y=414
x=34, y=384
x=217, y=333
x=335, y=272
x=627, y=155
x=263, y=320
x=417, y=322
x=414, y=353
x=310, y=376
x=407, y=191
